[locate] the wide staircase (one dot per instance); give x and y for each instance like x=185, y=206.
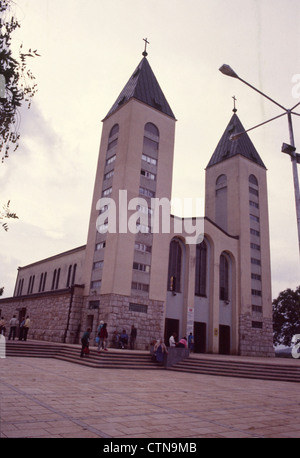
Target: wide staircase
x=287, y=370
x=111, y=359
x=277, y=369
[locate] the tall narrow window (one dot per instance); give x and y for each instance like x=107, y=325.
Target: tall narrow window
x=175, y=259
x=201, y=266
x=224, y=278
x=221, y=202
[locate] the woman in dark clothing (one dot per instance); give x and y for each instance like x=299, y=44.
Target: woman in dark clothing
x=85, y=343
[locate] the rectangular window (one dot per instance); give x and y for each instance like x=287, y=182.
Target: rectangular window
x=98, y=265
x=254, y=218
x=149, y=160
x=253, y=204
x=100, y=245
x=257, y=324
x=147, y=192
x=144, y=209
x=109, y=175
x=93, y=305
x=142, y=308
x=110, y=160
x=257, y=308
x=254, y=232
x=255, y=261
x=142, y=228
x=256, y=277
x=139, y=286
x=254, y=246
x=147, y=174
x=95, y=284
x=142, y=247
x=107, y=192
x=141, y=267
x=255, y=292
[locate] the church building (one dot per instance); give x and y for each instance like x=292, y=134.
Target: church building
x=140, y=264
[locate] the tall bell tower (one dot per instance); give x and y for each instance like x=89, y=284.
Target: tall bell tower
x=135, y=165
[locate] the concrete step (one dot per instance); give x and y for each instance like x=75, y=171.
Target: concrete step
x=228, y=368
x=112, y=359
x=127, y=359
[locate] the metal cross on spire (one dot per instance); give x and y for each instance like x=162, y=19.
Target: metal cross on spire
x=145, y=50
x=234, y=107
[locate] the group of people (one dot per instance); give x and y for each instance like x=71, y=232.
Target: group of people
x=119, y=340
x=13, y=327
x=160, y=348
x=182, y=343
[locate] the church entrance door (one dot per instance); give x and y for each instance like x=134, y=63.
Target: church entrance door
x=199, y=337
x=171, y=326
x=224, y=340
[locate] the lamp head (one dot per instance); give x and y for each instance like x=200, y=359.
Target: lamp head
x=227, y=70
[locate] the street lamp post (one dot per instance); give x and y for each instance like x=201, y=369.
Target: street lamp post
x=288, y=149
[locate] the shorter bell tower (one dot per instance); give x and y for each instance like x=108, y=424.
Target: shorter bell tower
x=236, y=200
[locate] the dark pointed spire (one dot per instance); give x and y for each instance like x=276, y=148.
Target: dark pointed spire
x=228, y=148
x=144, y=87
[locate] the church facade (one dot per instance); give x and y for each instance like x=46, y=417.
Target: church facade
x=141, y=265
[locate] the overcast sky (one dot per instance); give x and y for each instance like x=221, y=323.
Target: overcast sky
x=88, y=52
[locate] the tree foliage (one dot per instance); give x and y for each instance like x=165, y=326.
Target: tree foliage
x=286, y=316
x=19, y=81
x=5, y=213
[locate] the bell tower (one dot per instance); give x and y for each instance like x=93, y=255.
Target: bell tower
x=134, y=165
x=236, y=200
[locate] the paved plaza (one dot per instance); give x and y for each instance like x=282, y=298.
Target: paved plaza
x=46, y=398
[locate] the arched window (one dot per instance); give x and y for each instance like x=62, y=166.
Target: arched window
x=221, y=201
x=152, y=129
x=253, y=180
x=151, y=142
x=174, y=273
x=114, y=130
x=201, y=268
x=224, y=278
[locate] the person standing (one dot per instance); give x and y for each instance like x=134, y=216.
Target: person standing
x=133, y=335
x=103, y=337
x=2, y=326
x=21, y=328
x=13, y=326
x=191, y=342
x=98, y=334
x=26, y=328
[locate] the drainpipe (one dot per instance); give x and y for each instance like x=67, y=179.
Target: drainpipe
x=69, y=313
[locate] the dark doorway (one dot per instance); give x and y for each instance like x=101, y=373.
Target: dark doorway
x=224, y=339
x=89, y=322
x=22, y=315
x=199, y=337
x=171, y=326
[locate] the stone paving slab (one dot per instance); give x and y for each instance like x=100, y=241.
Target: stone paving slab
x=46, y=398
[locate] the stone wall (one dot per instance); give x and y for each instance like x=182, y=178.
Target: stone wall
x=54, y=316
x=121, y=312
x=256, y=341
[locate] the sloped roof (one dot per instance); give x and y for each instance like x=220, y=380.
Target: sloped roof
x=227, y=148
x=143, y=86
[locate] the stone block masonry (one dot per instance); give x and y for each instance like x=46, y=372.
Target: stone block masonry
x=54, y=316
x=121, y=312
x=256, y=341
